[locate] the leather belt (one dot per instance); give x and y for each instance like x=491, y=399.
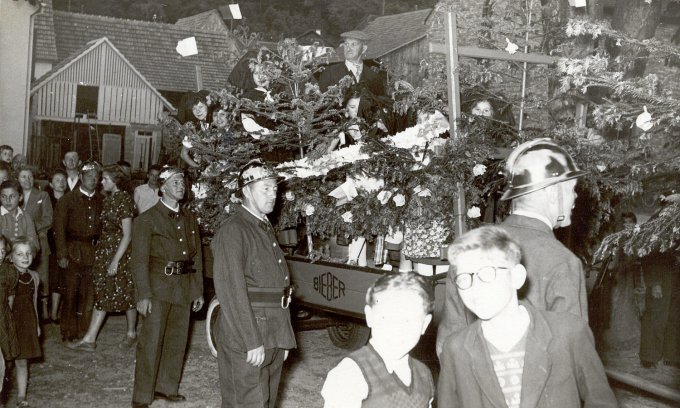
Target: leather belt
x=88, y=240
x=270, y=297
x=178, y=268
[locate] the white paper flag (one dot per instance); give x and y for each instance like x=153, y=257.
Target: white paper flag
x=187, y=47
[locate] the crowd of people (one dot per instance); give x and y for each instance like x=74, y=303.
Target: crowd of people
x=515, y=325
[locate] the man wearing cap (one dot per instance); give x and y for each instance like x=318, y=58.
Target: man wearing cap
x=366, y=75
x=252, y=284
x=77, y=226
x=167, y=268
x=541, y=184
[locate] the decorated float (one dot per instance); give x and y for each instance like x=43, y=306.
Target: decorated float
x=418, y=187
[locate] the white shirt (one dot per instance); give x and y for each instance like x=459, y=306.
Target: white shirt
x=72, y=182
x=355, y=68
x=145, y=197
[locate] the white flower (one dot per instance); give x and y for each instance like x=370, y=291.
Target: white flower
x=187, y=143
x=512, y=47
x=601, y=167
x=399, y=200
x=384, y=196
x=422, y=192
x=648, y=1
x=227, y=208
x=347, y=217
x=474, y=212
x=309, y=210
x=479, y=169
x=200, y=190
x=234, y=199
x=290, y=196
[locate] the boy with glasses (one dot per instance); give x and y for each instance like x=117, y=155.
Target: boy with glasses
x=514, y=355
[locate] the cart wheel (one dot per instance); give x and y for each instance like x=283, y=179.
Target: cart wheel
x=349, y=335
x=210, y=323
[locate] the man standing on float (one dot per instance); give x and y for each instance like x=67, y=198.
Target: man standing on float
x=252, y=283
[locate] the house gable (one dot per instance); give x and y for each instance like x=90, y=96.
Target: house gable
x=392, y=32
x=210, y=20
x=123, y=94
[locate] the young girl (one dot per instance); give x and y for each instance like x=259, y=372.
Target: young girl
x=8, y=281
x=24, y=305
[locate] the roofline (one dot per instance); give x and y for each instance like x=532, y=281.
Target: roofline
x=208, y=12
x=94, y=44
x=400, y=46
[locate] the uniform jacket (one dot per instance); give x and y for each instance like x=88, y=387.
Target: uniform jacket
x=246, y=255
x=77, y=218
x=555, y=278
x=371, y=77
x=158, y=236
x=561, y=367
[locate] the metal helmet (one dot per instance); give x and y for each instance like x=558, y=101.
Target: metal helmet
x=537, y=164
x=256, y=170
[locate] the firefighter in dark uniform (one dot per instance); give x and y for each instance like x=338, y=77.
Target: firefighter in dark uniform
x=77, y=225
x=167, y=268
x=252, y=283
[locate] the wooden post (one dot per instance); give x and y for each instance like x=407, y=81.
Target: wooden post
x=454, y=110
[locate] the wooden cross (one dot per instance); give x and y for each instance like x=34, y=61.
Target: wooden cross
x=453, y=51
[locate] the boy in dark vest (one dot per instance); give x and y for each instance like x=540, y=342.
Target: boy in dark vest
x=382, y=374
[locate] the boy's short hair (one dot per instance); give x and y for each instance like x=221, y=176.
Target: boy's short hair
x=485, y=238
x=6, y=147
x=22, y=240
x=629, y=216
x=12, y=184
x=403, y=281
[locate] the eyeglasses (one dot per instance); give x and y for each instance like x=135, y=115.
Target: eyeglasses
x=486, y=274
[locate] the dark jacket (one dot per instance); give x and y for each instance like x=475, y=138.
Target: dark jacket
x=157, y=238
x=561, y=367
x=247, y=255
x=555, y=277
x=372, y=78
x=77, y=225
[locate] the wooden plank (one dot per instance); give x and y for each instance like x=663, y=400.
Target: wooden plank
x=454, y=110
x=475, y=52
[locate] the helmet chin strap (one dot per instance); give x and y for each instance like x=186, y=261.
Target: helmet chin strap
x=560, y=203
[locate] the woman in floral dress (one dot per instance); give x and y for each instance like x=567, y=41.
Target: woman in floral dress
x=114, y=289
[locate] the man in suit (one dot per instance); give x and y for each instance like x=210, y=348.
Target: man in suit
x=167, y=269
x=252, y=283
x=541, y=182
x=367, y=77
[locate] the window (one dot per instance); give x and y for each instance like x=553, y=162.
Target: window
x=86, y=100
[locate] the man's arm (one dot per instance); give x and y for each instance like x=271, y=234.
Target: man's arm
x=197, y=277
x=60, y=219
x=229, y=266
x=455, y=317
x=46, y=216
x=139, y=262
x=566, y=292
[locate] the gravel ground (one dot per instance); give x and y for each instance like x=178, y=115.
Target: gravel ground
x=104, y=378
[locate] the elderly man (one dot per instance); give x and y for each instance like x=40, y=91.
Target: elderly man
x=77, y=226
x=252, y=283
x=368, y=76
x=167, y=269
x=542, y=181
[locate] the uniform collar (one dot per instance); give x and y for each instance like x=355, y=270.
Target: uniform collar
x=531, y=214
x=4, y=211
x=170, y=211
x=86, y=194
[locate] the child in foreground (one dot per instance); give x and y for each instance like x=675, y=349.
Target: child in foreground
x=24, y=304
x=382, y=374
x=515, y=355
